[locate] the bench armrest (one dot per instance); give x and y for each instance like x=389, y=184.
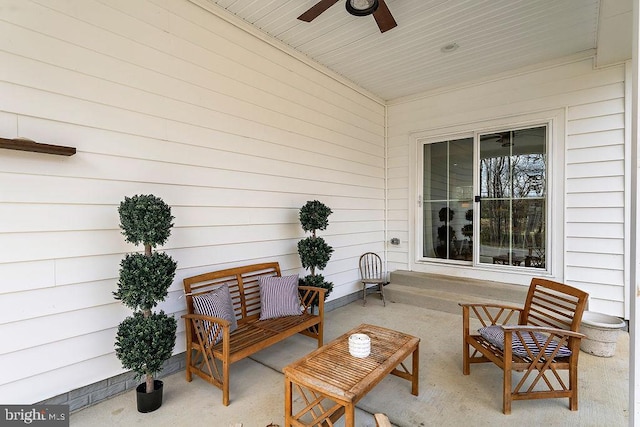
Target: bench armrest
x=222, y=322
x=311, y=296
x=199, y=328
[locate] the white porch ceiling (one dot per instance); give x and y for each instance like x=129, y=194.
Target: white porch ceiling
x=494, y=37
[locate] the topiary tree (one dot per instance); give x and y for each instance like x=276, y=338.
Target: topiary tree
x=314, y=252
x=145, y=340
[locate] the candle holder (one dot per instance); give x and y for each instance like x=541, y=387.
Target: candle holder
x=359, y=345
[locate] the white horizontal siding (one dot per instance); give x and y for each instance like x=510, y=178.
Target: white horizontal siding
x=596, y=149
x=594, y=166
x=161, y=97
x=596, y=199
x=596, y=184
x=599, y=261
x=65, y=378
x=593, y=229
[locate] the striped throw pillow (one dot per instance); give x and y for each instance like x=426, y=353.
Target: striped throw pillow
x=495, y=335
x=279, y=297
x=216, y=303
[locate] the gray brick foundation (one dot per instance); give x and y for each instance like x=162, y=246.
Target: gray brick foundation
x=97, y=392
x=94, y=393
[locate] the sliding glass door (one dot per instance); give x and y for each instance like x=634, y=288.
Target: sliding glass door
x=500, y=218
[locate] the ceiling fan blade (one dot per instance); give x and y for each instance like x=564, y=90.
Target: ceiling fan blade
x=316, y=10
x=383, y=17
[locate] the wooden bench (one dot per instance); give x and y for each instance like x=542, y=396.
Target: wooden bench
x=547, y=324
x=211, y=362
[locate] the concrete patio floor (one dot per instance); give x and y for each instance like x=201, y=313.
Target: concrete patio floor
x=447, y=398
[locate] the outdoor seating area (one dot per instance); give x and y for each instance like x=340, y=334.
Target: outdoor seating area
x=446, y=396
x=202, y=196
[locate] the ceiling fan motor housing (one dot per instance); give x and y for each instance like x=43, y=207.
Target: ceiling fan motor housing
x=377, y=8
x=361, y=7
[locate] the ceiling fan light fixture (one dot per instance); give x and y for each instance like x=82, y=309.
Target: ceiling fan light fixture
x=361, y=7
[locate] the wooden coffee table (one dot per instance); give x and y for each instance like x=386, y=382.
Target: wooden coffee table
x=330, y=381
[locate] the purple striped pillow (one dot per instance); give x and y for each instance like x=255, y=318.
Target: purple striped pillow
x=279, y=296
x=216, y=303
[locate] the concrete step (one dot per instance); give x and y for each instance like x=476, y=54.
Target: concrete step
x=443, y=293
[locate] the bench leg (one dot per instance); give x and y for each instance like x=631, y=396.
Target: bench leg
x=188, y=363
x=225, y=383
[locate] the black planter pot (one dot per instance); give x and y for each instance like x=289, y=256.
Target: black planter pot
x=149, y=402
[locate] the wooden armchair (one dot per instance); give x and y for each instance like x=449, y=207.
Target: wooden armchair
x=539, y=340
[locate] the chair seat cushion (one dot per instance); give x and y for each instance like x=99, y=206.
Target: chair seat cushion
x=495, y=335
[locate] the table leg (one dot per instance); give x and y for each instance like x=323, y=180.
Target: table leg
x=288, y=402
x=349, y=415
x=415, y=370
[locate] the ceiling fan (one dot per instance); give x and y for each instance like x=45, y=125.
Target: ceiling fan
x=502, y=138
x=378, y=8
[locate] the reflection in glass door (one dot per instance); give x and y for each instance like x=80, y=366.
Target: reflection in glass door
x=513, y=202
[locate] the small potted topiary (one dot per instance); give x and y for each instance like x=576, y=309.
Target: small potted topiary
x=145, y=340
x=314, y=252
